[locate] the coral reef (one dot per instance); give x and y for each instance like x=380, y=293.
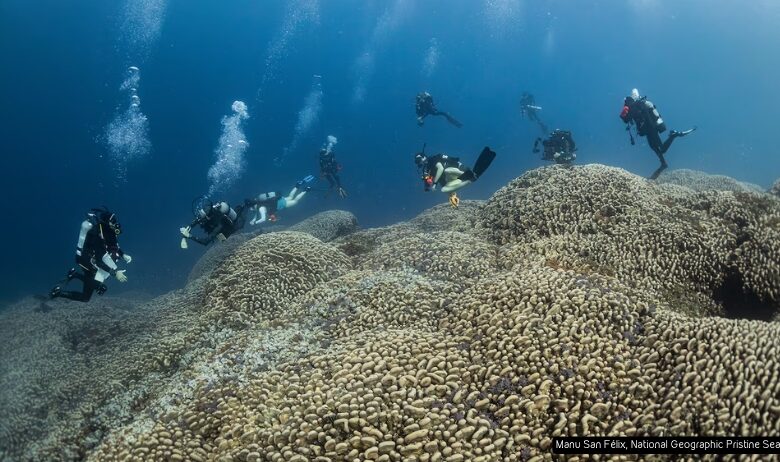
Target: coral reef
x=445, y=218
x=519, y=358
x=701, y=181
x=216, y=254
x=329, y=225
x=66, y=365
x=266, y=273
x=775, y=188
x=442, y=217
x=579, y=301
x=666, y=239
x=445, y=255
x=325, y=226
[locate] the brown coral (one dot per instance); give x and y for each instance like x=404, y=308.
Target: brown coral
x=775, y=188
x=521, y=358
x=452, y=256
x=267, y=272
x=216, y=254
x=669, y=240
x=329, y=225
x=412, y=342
x=325, y=226
x=701, y=181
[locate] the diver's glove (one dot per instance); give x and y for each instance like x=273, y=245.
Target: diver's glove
x=342, y=193
x=221, y=237
x=454, y=199
x=120, y=276
x=272, y=217
x=185, y=233
x=127, y=258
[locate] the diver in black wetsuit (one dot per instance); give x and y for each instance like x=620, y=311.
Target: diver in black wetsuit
x=97, y=252
x=530, y=110
x=643, y=113
x=559, y=147
x=219, y=221
x=329, y=169
x=424, y=106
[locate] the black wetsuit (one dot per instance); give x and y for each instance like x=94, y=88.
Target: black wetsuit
x=559, y=142
x=100, y=241
x=329, y=169
x=645, y=116
x=89, y=286
x=215, y=223
x=424, y=106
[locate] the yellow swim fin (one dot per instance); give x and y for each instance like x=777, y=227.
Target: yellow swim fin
x=454, y=199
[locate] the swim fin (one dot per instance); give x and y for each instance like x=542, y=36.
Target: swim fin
x=452, y=120
x=308, y=179
x=483, y=161
x=55, y=292
x=683, y=133
x=454, y=200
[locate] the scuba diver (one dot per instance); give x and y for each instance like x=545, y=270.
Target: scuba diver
x=329, y=169
x=424, y=107
x=530, y=110
x=267, y=204
x=559, y=147
x=219, y=221
x=449, y=173
x=643, y=113
x=97, y=252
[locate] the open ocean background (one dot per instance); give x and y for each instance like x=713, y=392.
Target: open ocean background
x=708, y=63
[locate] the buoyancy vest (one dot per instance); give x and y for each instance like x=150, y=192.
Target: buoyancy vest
x=644, y=114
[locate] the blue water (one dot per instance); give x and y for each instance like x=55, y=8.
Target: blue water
x=710, y=63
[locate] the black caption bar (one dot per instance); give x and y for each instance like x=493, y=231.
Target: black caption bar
x=667, y=445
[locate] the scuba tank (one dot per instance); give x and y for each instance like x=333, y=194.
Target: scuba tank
x=226, y=210
x=266, y=196
x=654, y=116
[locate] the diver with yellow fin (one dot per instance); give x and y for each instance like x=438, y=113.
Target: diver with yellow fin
x=449, y=173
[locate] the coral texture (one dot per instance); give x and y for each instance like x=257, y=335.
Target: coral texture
x=576, y=301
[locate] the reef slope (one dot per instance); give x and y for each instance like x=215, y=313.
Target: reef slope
x=576, y=301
